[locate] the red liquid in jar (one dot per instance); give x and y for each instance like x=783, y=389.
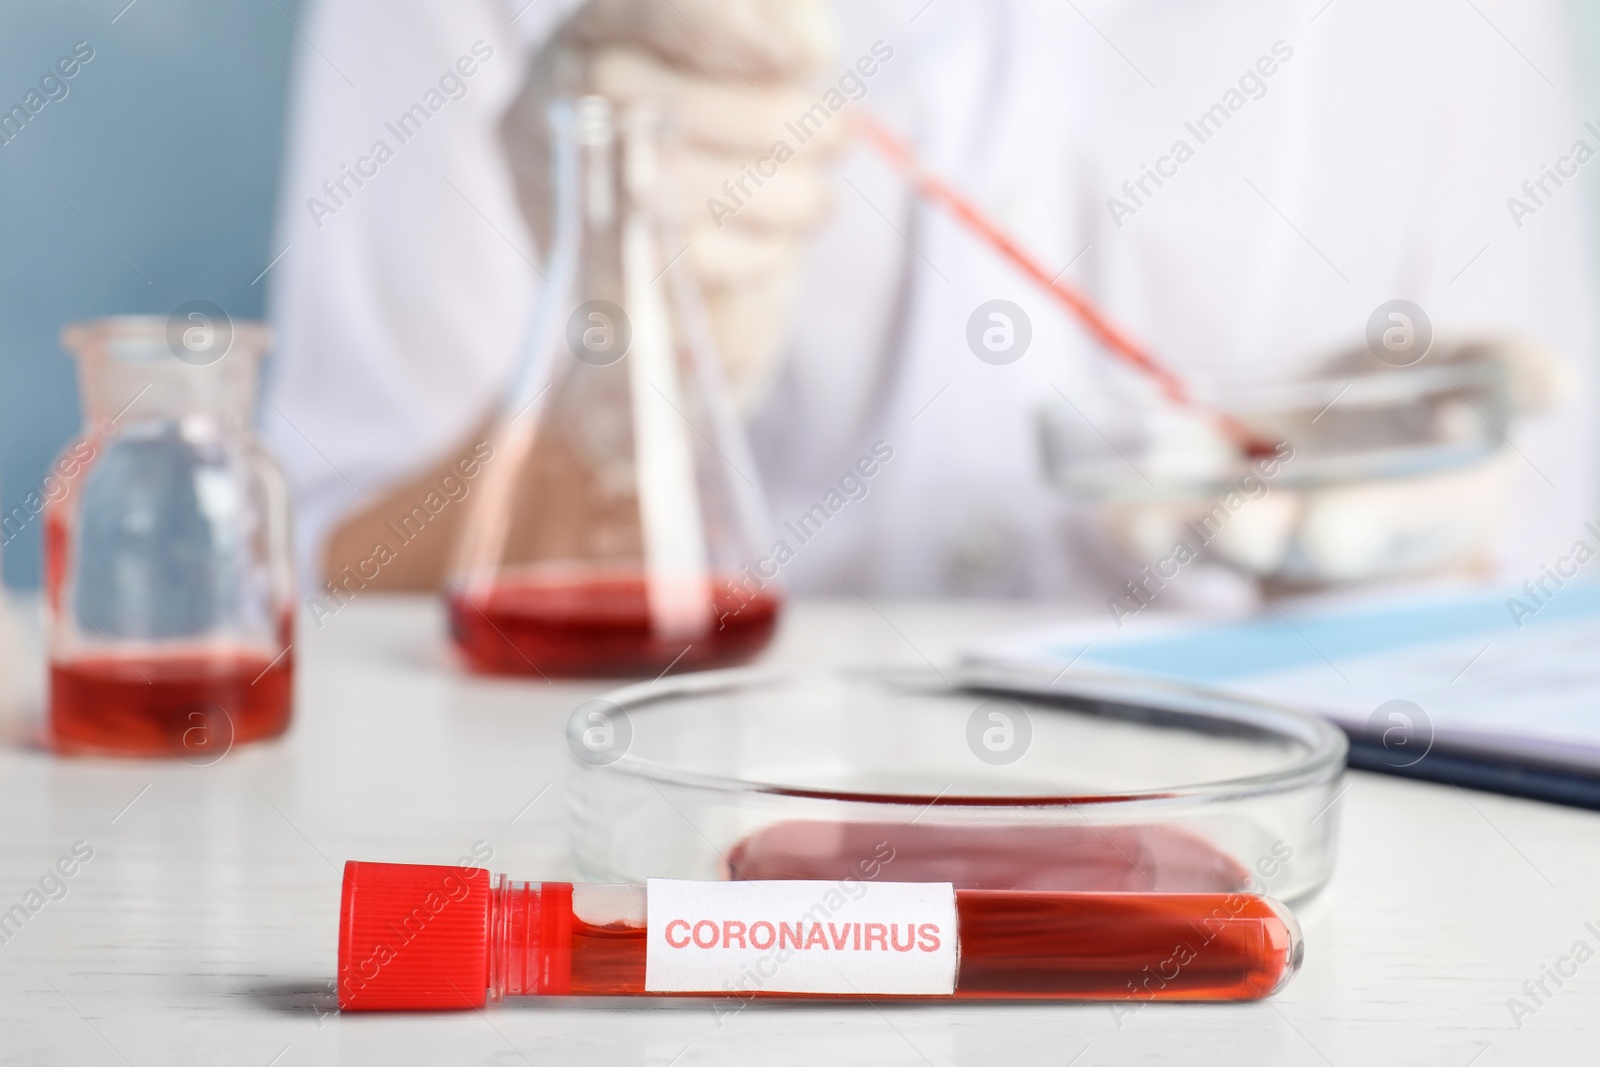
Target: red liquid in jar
x=1125, y=859
x=1026, y=945
x=603, y=625
x=192, y=706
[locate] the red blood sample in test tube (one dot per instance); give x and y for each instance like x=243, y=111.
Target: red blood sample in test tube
x=425, y=938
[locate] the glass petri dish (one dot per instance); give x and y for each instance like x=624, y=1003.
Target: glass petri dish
x=985, y=778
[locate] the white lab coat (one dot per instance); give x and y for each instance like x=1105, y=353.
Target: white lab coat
x=1376, y=163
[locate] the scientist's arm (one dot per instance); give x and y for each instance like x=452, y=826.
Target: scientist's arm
x=425, y=559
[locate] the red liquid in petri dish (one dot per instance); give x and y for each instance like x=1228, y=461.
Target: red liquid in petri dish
x=1104, y=859
x=602, y=625
x=193, y=706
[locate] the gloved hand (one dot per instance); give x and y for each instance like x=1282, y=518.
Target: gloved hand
x=1447, y=518
x=1346, y=531
x=1537, y=379
x=729, y=74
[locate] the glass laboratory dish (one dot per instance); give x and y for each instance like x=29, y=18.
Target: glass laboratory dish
x=1396, y=472
x=990, y=780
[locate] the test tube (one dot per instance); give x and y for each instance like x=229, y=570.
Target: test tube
x=433, y=938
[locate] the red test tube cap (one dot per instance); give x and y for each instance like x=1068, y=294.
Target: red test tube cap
x=413, y=937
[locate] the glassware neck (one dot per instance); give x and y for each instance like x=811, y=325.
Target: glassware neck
x=618, y=165
x=610, y=222
x=135, y=370
x=530, y=938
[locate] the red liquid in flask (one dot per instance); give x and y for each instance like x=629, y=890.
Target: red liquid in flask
x=601, y=625
x=194, y=706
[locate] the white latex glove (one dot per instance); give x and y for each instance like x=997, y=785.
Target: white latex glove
x=1185, y=448
x=1432, y=522
x=1343, y=534
x=1349, y=532
x=765, y=41
x=729, y=74
x=1439, y=522
x=1538, y=378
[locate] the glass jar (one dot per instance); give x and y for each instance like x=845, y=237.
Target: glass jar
x=168, y=582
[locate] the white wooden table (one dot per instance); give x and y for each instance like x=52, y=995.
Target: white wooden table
x=203, y=928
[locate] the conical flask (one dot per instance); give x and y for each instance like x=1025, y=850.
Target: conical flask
x=618, y=523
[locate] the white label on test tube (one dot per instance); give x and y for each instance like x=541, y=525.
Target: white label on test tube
x=669, y=498
x=874, y=938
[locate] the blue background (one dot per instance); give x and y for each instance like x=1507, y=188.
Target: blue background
x=169, y=145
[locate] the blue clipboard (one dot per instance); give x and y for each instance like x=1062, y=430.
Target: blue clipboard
x=1492, y=690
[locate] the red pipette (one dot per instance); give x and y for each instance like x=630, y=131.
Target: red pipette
x=937, y=191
